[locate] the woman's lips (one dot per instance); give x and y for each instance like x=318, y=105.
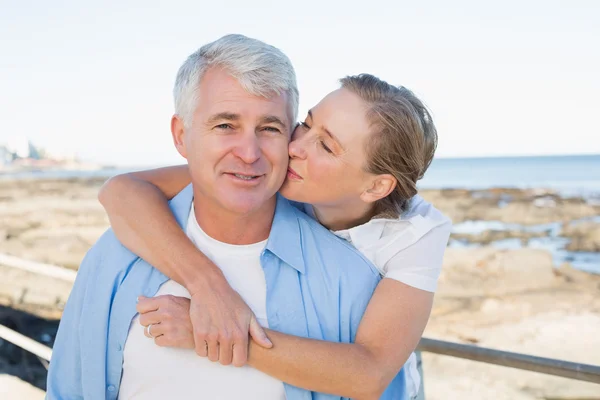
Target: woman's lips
x=291, y=174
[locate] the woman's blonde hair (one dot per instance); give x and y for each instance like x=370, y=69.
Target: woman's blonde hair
x=403, y=141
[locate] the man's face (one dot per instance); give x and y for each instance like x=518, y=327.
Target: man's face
x=237, y=145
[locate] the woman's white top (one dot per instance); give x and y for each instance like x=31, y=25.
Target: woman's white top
x=409, y=249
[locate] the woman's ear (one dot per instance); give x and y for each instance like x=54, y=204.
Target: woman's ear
x=381, y=186
x=178, y=133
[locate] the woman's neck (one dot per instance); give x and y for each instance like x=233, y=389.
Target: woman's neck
x=337, y=218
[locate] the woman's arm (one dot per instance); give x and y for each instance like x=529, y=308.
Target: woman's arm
x=130, y=199
x=219, y=316
x=390, y=330
x=388, y=333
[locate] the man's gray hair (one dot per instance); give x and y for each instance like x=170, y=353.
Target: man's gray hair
x=261, y=69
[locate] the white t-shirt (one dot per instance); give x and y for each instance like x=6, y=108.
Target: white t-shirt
x=153, y=372
x=409, y=249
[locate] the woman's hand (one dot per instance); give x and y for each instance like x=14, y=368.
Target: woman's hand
x=221, y=322
x=169, y=320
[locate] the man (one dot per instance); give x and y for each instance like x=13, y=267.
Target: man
x=236, y=101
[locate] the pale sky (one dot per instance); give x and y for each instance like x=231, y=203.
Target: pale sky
x=509, y=78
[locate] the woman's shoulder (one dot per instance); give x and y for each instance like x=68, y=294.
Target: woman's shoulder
x=421, y=216
x=399, y=245
x=412, y=246
x=419, y=219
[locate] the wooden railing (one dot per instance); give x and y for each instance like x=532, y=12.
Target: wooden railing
x=548, y=366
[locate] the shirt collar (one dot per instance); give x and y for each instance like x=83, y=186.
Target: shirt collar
x=181, y=205
x=285, y=239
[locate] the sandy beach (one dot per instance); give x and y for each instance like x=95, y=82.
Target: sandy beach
x=508, y=281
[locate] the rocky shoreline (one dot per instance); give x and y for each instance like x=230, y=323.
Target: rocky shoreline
x=508, y=281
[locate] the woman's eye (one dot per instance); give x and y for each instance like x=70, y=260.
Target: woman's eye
x=327, y=149
x=304, y=125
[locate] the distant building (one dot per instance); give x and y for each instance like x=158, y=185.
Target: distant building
x=19, y=146
x=6, y=156
x=22, y=153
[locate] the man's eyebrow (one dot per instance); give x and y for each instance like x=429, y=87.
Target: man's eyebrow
x=273, y=119
x=223, y=116
x=331, y=135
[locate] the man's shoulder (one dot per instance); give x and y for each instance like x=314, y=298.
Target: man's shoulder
x=109, y=252
x=334, y=249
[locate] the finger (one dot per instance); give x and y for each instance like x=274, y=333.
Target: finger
x=240, y=353
x=258, y=334
x=161, y=341
x=200, y=326
x=225, y=352
x=156, y=330
x=147, y=331
x=152, y=330
x=146, y=304
x=151, y=317
x=213, y=350
x=201, y=347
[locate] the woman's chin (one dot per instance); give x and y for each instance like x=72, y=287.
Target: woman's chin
x=292, y=191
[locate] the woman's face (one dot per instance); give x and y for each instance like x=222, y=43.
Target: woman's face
x=327, y=153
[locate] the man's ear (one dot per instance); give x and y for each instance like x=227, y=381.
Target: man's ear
x=178, y=133
x=380, y=187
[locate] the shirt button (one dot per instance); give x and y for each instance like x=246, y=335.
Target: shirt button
x=111, y=388
x=119, y=347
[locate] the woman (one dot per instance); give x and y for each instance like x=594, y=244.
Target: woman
x=354, y=164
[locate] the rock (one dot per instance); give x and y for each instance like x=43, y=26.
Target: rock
x=584, y=236
x=488, y=236
x=527, y=206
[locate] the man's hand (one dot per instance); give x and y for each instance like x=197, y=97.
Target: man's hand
x=169, y=320
x=215, y=324
x=221, y=322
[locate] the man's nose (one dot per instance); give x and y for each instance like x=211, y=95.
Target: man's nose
x=248, y=148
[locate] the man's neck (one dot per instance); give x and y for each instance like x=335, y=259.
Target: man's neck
x=233, y=228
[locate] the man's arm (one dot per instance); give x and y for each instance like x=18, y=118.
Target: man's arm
x=137, y=206
x=65, y=373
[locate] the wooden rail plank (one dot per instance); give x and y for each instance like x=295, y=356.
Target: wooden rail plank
x=52, y=271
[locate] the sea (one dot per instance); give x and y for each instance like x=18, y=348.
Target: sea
x=567, y=175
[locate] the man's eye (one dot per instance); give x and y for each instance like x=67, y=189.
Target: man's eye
x=304, y=125
x=272, y=129
x=223, y=126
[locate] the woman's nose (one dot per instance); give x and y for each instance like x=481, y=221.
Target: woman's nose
x=297, y=148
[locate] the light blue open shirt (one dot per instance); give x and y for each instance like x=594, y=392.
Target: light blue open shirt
x=318, y=286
